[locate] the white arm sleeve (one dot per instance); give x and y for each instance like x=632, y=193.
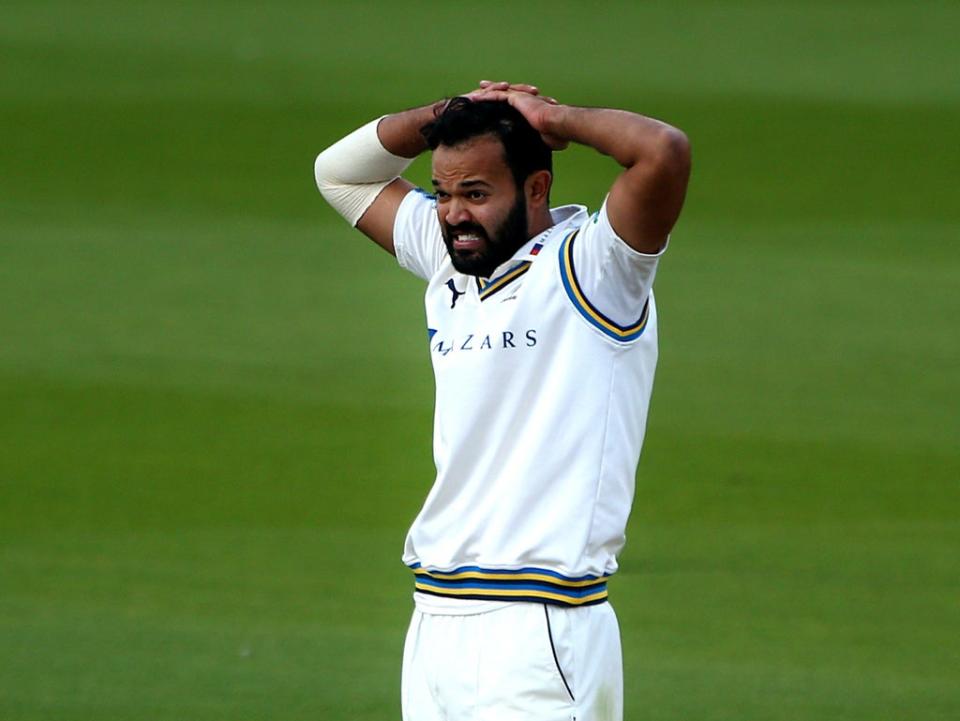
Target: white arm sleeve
x=351, y=173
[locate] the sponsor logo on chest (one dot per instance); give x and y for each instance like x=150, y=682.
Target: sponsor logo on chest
x=504, y=340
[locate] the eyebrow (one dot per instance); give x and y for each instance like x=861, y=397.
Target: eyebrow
x=465, y=183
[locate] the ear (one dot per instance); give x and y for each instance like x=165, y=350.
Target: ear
x=537, y=188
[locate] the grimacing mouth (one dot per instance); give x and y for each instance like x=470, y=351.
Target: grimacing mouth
x=467, y=233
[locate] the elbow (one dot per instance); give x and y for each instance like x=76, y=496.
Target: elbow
x=322, y=172
x=328, y=177
x=673, y=153
x=333, y=190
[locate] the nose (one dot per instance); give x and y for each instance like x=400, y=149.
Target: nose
x=457, y=212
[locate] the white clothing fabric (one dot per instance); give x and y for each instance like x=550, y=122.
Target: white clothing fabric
x=543, y=380
x=523, y=662
x=352, y=172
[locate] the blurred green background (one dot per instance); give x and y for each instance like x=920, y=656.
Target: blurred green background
x=216, y=398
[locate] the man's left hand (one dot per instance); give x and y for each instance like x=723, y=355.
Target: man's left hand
x=527, y=100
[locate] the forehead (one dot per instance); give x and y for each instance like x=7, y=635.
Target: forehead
x=479, y=158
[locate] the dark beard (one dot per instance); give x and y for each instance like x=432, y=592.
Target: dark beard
x=498, y=248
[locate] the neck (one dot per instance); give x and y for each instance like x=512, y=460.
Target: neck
x=540, y=221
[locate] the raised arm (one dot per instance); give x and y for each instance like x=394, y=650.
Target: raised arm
x=359, y=175
x=646, y=198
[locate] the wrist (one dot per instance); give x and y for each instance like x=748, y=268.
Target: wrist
x=555, y=120
x=400, y=132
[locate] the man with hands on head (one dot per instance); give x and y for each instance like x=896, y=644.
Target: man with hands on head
x=542, y=332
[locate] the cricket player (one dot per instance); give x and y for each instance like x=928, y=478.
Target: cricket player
x=542, y=330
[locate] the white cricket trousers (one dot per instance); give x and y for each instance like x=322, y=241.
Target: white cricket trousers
x=521, y=662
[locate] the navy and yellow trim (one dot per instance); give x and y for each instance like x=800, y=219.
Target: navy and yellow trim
x=538, y=585
x=488, y=288
x=622, y=333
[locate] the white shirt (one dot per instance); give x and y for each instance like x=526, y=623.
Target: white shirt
x=543, y=376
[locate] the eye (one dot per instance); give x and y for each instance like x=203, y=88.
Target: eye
x=476, y=195
x=441, y=196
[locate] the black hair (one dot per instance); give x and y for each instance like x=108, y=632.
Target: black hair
x=463, y=119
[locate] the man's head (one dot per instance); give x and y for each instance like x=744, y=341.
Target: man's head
x=492, y=174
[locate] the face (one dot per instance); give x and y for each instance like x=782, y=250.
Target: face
x=483, y=215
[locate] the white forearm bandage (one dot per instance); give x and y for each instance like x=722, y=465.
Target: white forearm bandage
x=351, y=173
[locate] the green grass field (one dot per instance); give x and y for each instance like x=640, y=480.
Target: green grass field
x=216, y=399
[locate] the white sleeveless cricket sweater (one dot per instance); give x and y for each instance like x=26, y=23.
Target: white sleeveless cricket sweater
x=543, y=380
